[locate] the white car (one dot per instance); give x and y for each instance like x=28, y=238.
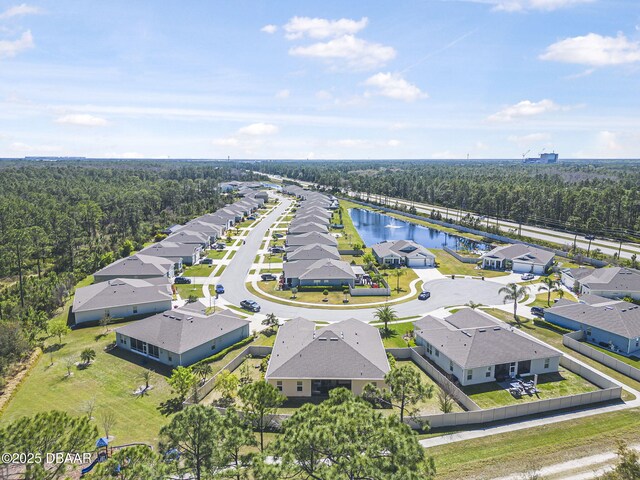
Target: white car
x=528, y=276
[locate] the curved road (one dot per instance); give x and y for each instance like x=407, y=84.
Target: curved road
x=444, y=292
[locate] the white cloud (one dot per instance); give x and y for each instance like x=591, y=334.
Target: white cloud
x=594, y=50
x=393, y=143
x=19, y=10
x=283, y=94
x=318, y=28
x=270, y=29
x=257, y=129
x=34, y=149
x=607, y=141
x=392, y=85
x=323, y=95
x=525, y=108
x=355, y=52
x=352, y=143
x=523, y=5
x=10, y=48
x=529, y=139
x=226, y=142
x=82, y=119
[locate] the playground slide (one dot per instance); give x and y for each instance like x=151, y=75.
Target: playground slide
x=100, y=458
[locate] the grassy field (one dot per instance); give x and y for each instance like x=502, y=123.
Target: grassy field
x=394, y=337
x=449, y=265
x=349, y=234
x=199, y=270
x=193, y=289
x=491, y=395
x=336, y=297
x=522, y=450
x=216, y=254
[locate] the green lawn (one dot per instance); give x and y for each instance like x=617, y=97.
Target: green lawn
x=491, y=395
x=541, y=298
x=394, y=337
x=516, y=452
x=348, y=235
x=633, y=361
x=199, y=270
x=231, y=254
x=448, y=265
x=216, y=254
x=193, y=289
x=219, y=272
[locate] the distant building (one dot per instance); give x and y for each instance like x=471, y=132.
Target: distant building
x=542, y=158
x=306, y=362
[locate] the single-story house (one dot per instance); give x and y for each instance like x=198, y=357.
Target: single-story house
x=313, y=210
x=403, y=252
x=172, y=229
x=294, y=241
x=262, y=195
x=614, y=282
x=519, y=258
x=180, y=253
x=318, y=273
x=121, y=298
x=219, y=219
x=309, y=218
x=234, y=215
x=226, y=187
x=306, y=362
x=136, y=266
x=210, y=230
x=191, y=236
x=612, y=324
x=474, y=349
x=182, y=336
x=306, y=228
x=315, y=251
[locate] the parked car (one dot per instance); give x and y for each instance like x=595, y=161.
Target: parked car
x=207, y=261
x=278, y=235
x=219, y=288
x=277, y=250
x=537, y=311
x=251, y=217
x=220, y=246
x=267, y=277
x=250, y=305
x=528, y=276
x=182, y=280
x=424, y=295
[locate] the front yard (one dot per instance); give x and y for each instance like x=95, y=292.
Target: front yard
x=200, y=270
x=449, y=265
x=193, y=289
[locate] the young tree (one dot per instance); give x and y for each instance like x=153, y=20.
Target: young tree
x=58, y=329
x=146, y=375
x=271, y=321
x=227, y=384
x=69, y=363
x=182, y=381
x=398, y=272
x=343, y=437
x=52, y=431
x=513, y=292
x=473, y=305
x=89, y=406
x=260, y=400
x=294, y=292
x=446, y=399
x=407, y=388
x=87, y=355
x=325, y=292
x=385, y=314
x=105, y=321
x=628, y=466
x=368, y=260
x=193, y=432
x=108, y=421
x=233, y=439
x=550, y=285
x=132, y=463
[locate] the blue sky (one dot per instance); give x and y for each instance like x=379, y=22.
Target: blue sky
x=331, y=79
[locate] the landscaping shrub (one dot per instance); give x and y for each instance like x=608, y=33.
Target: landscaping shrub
x=223, y=353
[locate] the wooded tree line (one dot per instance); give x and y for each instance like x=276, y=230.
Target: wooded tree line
x=600, y=198
x=62, y=221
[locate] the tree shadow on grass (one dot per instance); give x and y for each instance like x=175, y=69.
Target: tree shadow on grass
x=99, y=336
x=386, y=334
x=169, y=407
x=54, y=347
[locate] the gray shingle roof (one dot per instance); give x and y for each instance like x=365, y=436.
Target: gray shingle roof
x=189, y=236
x=402, y=248
x=182, y=330
x=308, y=227
x=476, y=345
x=309, y=238
x=614, y=279
x=328, y=269
x=310, y=218
x=521, y=253
x=121, y=292
x=137, y=265
x=314, y=251
x=170, y=249
x=349, y=349
x=621, y=318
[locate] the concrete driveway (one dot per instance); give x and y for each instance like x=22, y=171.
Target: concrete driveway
x=444, y=291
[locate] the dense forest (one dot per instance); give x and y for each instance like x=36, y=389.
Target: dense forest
x=61, y=221
x=596, y=198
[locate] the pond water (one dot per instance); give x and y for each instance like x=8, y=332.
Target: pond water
x=376, y=227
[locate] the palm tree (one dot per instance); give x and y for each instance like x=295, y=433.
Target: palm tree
x=473, y=305
x=146, y=375
x=386, y=314
x=87, y=355
x=203, y=370
x=398, y=273
x=550, y=285
x=513, y=292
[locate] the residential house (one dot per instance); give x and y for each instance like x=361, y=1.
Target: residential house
x=403, y=252
x=313, y=251
x=136, y=266
x=318, y=273
x=519, y=258
x=121, y=298
x=171, y=229
x=191, y=237
x=611, y=324
x=309, y=218
x=306, y=228
x=295, y=241
x=183, y=336
x=613, y=282
x=306, y=362
x=180, y=253
x=211, y=231
x=474, y=349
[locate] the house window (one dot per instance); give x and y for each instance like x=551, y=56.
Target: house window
x=213, y=346
x=171, y=359
x=153, y=351
x=279, y=385
x=429, y=348
x=135, y=309
x=137, y=345
x=123, y=340
x=450, y=365
x=512, y=369
x=488, y=374
x=546, y=363
x=469, y=374
x=299, y=385
x=588, y=331
x=437, y=353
